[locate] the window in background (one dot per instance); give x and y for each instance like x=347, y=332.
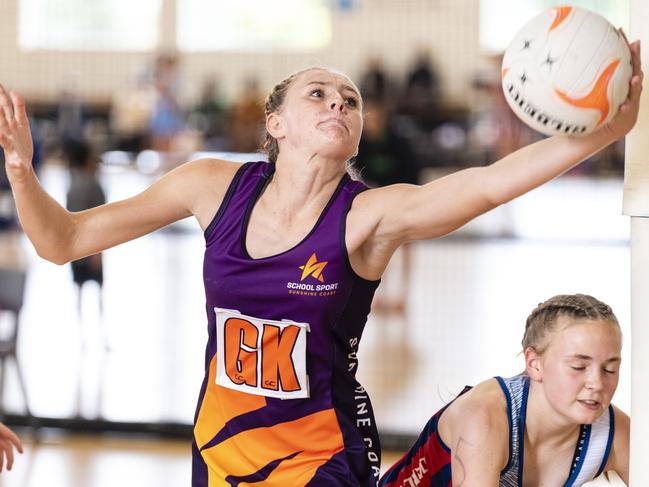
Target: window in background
x=253, y=25
x=82, y=25
x=500, y=20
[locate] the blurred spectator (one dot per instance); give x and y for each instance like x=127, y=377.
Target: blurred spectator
x=70, y=110
x=497, y=128
x=13, y=271
x=422, y=83
x=85, y=192
x=384, y=156
x=208, y=115
x=168, y=117
x=374, y=82
x=130, y=113
x=247, y=118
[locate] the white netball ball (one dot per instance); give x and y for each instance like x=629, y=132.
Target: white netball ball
x=566, y=72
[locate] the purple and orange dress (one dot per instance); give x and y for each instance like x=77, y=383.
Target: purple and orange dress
x=280, y=404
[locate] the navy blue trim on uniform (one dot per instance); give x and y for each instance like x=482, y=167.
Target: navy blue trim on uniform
x=226, y=199
x=343, y=244
x=255, y=197
x=442, y=443
x=508, y=399
x=521, y=432
x=609, y=442
x=586, y=428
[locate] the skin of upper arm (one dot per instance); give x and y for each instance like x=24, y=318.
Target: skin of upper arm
x=194, y=188
x=477, y=433
x=618, y=459
x=382, y=219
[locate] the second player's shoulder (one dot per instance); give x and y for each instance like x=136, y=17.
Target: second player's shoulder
x=480, y=413
x=475, y=427
x=485, y=402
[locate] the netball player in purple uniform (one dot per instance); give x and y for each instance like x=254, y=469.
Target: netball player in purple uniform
x=294, y=252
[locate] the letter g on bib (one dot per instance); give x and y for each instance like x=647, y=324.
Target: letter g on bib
x=260, y=356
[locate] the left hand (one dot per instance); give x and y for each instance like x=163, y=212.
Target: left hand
x=627, y=115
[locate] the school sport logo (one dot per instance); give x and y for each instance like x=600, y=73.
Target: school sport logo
x=313, y=269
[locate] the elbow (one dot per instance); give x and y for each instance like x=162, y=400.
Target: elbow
x=58, y=258
x=54, y=258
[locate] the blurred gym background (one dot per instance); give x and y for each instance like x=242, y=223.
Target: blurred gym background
x=100, y=364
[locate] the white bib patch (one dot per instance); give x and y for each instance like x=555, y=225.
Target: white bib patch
x=259, y=356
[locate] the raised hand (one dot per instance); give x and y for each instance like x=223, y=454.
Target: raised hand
x=627, y=115
x=15, y=136
x=8, y=441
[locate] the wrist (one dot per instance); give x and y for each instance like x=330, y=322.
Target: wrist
x=20, y=176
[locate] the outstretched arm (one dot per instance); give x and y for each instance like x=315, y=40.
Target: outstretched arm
x=399, y=213
x=58, y=235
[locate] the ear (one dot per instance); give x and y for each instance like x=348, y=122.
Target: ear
x=533, y=365
x=274, y=125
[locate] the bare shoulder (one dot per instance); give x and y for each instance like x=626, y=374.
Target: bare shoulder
x=484, y=405
x=214, y=171
x=370, y=242
x=479, y=417
x=374, y=205
x=204, y=182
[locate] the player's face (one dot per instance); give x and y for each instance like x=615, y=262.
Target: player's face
x=580, y=368
x=322, y=111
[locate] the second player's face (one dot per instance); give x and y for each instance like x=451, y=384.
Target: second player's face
x=322, y=111
x=580, y=369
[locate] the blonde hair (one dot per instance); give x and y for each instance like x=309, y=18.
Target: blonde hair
x=543, y=319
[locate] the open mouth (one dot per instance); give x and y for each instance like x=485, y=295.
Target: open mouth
x=589, y=403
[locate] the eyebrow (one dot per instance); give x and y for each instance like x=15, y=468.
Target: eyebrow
x=588, y=357
x=328, y=83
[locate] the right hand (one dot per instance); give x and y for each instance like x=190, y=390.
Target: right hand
x=8, y=441
x=15, y=136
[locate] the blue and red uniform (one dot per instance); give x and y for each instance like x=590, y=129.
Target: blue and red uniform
x=428, y=462
x=280, y=405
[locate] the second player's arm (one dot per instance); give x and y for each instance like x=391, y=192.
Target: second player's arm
x=476, y=429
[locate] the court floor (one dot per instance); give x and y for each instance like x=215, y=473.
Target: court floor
x=140, y=360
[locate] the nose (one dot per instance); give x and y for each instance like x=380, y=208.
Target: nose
x=337, y=102
x=594, y=380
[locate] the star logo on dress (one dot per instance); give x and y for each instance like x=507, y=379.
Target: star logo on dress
x=313, y=268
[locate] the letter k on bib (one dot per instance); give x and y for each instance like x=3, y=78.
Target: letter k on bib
x=259, y=356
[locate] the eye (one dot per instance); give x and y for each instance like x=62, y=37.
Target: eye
x=610, y=371
x=317, y=93
x=352, y=102
x=575, y=367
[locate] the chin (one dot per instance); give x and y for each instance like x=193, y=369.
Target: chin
x=587, y=416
